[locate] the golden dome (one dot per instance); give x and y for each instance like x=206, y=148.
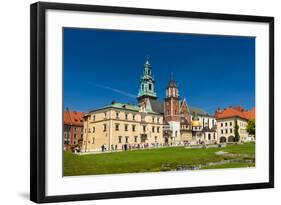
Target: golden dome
x=196, y=123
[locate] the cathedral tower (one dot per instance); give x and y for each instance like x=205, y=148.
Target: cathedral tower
x=147, y=84
x=172, y=109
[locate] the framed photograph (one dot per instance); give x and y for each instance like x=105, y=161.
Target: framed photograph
x=129, y=102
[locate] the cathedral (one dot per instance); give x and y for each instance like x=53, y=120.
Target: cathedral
x=149, y=123
x=181, y=124
x=175, y=112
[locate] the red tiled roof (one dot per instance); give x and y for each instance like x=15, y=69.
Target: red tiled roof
x=251, y=114
x=236, y=112
x=73, y=118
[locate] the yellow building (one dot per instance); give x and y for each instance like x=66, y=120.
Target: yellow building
x=122, y=126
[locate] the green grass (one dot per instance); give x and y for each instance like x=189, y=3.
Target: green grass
x=154, y=160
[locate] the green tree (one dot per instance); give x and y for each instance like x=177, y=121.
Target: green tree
x=251, y=127
x=236, y=133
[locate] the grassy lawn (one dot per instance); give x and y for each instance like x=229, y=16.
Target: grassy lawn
x=163, y=159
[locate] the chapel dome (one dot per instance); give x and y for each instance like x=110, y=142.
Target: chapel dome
x=195, y=122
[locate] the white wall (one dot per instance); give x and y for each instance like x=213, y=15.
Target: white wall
x=14, y=89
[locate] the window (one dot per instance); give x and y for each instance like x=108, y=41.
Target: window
x=93, y=142
x=105, y=115
x=221, y=131
x=155, y=138
x=74, y=136
x=117, y=127
x=230, y=130
x=158, y=129
x=136, y=138
x=94, y=117
x=158, y=119
x=226, y=131
x=144, y=128
x=176, y=133
x=133, y=128
x=134, y=117
x=117, y=115
x=153, y=129
x=225, y=124
x=94, y=129
x=127, y=138
x=221, y=124
x=153, y=119
x=75, y=129
x=126, y=127
x=104, y=127
x=149, y=86
x=209, y=136
x=120, y=139
x=230, y=123
x=126, y=116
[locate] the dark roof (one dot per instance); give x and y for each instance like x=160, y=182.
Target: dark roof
x=197, y=111
x=172, y=84
x=157, y=106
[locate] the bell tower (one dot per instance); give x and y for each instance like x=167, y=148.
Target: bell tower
x=172, y=109
x=147, y=83
x=172, y=102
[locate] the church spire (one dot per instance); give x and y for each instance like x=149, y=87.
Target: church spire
x=172, y=88
x=147, y=82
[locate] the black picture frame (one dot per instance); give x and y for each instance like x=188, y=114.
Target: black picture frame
x=38, y=103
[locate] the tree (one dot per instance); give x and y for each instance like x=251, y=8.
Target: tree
x=251, y=127
x=236, y=133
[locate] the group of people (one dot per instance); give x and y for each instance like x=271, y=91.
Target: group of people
x=128, y=147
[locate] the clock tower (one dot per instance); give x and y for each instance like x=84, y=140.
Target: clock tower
x=172, y=109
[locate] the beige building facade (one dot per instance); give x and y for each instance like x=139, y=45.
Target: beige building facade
x=226, y=129
x=122, y=126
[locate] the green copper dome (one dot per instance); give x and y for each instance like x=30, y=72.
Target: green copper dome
x=147, y=82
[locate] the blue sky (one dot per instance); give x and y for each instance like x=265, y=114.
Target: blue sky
x=105, y=65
